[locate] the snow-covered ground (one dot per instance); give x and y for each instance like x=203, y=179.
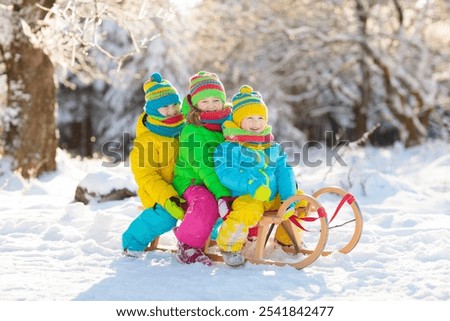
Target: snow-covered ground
x=52, y=248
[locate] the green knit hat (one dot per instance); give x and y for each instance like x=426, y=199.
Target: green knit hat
x=206, y=84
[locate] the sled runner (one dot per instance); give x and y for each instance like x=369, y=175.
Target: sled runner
x=309, y=230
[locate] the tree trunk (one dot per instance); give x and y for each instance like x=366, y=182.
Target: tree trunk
x=30, y=136
x=360, y=109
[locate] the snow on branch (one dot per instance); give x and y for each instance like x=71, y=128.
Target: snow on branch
x=71, y=30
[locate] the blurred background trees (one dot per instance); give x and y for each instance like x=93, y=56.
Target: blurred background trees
x=332, y=65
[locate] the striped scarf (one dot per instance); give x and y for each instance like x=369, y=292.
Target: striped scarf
x=233, y=133
x=213, y=120
x=165, y=126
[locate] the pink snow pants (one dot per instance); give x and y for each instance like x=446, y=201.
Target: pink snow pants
x=200, y=217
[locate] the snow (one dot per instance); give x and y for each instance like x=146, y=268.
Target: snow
x=54, y=249
x=103, y=182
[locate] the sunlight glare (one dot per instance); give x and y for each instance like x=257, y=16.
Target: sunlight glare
x=185, y=4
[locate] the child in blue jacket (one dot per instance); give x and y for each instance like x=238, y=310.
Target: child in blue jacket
x=254, y=168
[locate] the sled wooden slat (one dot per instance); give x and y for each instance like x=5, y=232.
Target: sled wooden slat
x=154, y=247
x=216, y=257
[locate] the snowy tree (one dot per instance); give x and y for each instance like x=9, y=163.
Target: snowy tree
x=124, y=100
x=41, y=35
x=320, y=65
x=28, y=121
x=345, y=63
x=403, y=58
x=104, y=111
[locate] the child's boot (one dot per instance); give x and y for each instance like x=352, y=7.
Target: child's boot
x=233, y=259
x=187, y=254
x=135, y=254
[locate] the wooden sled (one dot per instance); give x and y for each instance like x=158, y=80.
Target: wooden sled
x=299, y=256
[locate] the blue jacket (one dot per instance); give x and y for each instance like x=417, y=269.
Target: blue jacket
x=244, y=169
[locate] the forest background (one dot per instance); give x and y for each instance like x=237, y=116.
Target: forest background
x=71, y=71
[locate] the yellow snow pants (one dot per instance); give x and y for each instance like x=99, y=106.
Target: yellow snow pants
x=246, y=213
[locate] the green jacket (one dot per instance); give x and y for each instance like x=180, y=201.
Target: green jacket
x=195, y=163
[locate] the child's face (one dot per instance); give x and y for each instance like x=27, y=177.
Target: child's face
x=169, y=110
x=255, y=124
x=210, y=104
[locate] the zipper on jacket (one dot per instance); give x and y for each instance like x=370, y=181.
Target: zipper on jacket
x=261, y=170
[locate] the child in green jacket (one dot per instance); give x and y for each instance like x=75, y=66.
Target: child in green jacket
x=195, y=178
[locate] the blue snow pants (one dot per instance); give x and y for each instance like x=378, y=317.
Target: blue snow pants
x=150, y=224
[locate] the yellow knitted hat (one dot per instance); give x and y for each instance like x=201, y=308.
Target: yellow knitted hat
x=248, y=103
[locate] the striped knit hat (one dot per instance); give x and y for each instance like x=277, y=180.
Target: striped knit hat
x=205, y=84
x=248, y=103
x=159, y=93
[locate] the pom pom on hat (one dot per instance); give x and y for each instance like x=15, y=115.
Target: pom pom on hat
x=159, y=92
x=245, y=89
x=156, y=77
x=248, y=102
x=206, y=84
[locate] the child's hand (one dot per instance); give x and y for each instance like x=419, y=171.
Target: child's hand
x=289, y=211
x=174, y=206
x=262, y=193
x=258, y=189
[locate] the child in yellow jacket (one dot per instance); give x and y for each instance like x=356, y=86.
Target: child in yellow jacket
x=152, y=160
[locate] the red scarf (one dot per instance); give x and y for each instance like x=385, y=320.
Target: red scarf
x=213, y=120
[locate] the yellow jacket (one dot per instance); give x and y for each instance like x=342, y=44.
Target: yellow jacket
x=152, y=162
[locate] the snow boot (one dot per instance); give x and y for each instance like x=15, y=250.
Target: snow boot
x=233, y=259
x=187, y=254
x=135, y=254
